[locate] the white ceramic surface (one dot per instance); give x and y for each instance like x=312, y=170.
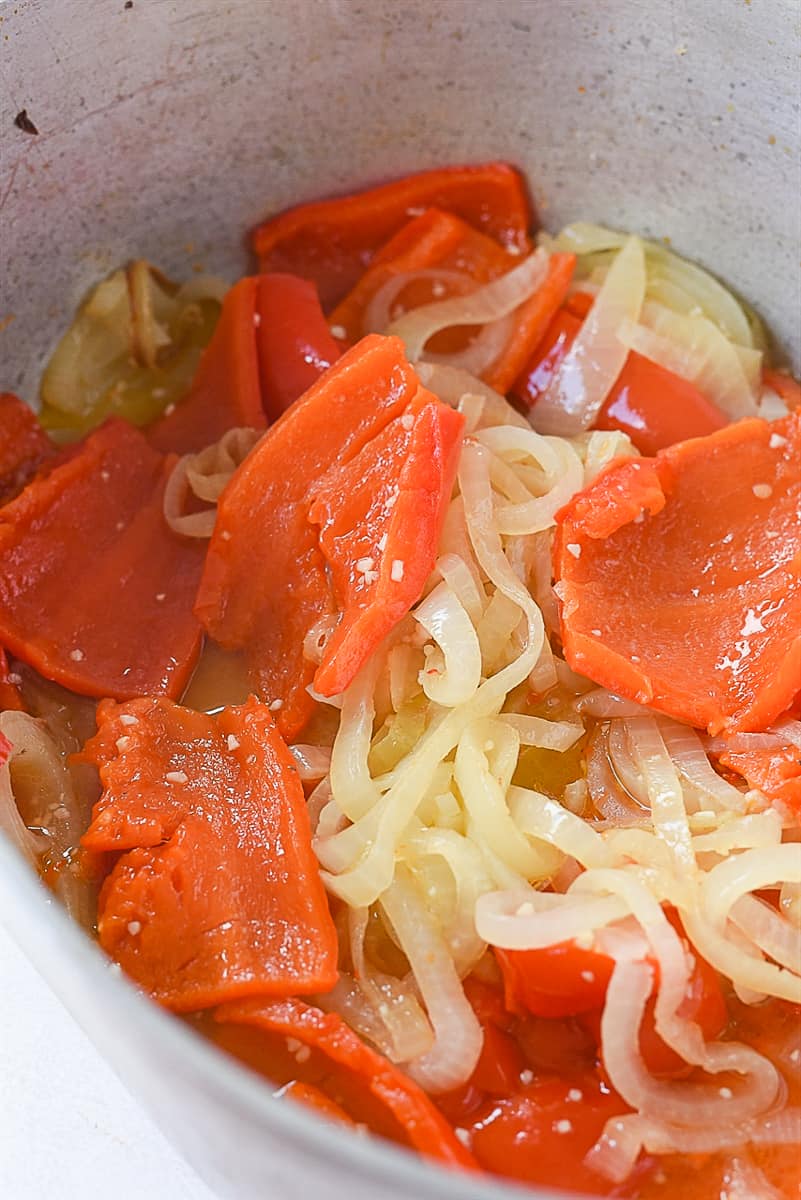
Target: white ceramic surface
x=168, y=127
x=98, y=1142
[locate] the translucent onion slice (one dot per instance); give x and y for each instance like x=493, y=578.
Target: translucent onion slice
x=687, y=752
x=624, y=1138
x=452, y=384
x=408, y=1032
x=603, y=705
x=688, y=1104
x=458, y=1036
x=205, y=475
x=313, y=762
x=462, y=582
x=559, y=468
x=547, y=735
x=486, y=304
x=39, y=810
x=378, y=313
x=532, y=920
x=594, y=361
x=680, y=284
x=695, y=349
x=452, y=672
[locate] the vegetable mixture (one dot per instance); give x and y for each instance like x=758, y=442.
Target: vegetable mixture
x=400, y=673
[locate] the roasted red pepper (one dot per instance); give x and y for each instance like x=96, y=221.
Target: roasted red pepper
x=331, y=242
x=216, y=894
x=96, y=591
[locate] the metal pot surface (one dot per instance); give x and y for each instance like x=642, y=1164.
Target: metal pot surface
x=165, y=128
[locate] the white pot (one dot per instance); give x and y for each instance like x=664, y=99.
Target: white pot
x=165, y=130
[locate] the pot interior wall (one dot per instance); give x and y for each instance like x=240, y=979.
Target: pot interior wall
x=166, y=129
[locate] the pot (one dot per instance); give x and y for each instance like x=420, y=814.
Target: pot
x=166, y=129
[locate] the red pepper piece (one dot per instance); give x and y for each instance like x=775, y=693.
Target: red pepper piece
x=331, y=242
x=316, y=1099
x=680, y=577
x=293, y=340
x=380, y=518
x=386, y=1099
x=776, y=771
x=531, y=323
x=217, y=894
x=225, y=392
x=785, y=386
x=649, y=403
x=435, y=240
x=95, y=590
x=24, y=446
x=557, y=981
x=266, y=600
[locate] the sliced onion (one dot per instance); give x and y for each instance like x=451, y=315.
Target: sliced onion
x=29, y=843
x=531, y=920
x=452, y=673
x=743, y=1180
x=695, y=349
x=452, y=384
x=623, y=1139
x=769, y=930
x=548, y=735
x=594, y=361
x=378, y=313
x=542, y=817
x=608, y=796
x=789, y=731
x=484, y=349
x=601, y=704
x=35, y=772
x=664, y=790
x=205, y=475
x=392, y=1020
x=485, y=305
x=408, y=1032
x=687, y=751
x=685, y=1103
x=680, y=284
x=312, y=762
x=458, y=1036
x=562, y=475
x=462, y=582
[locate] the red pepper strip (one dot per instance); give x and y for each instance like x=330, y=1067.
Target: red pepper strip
x=293, y=340
x=313, y=1097
x=680, y=577
x=785, y=386
x=540, y=1134
x=9, y=692
x=557, y=981
x=566, y=981
x=217, y=894
x=776, y=772
x=439, y=241
x=331, y=242
x=359, y=1069
x=434, y=240
x=95, y=590
x=531, y=323
x=380, y=518
x=24, y=446
x=649, y=403
x=265, y=584
x=225, y=392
